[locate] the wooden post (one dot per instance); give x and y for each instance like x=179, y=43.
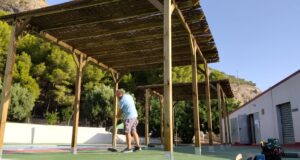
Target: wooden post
x=115, y=108
x=195, y=94
x=6, y=90
x=161, y=101
x=220, y=112
x=147, y=96
x=208, y=104
x=80, y=64
x=168, y=128
x=225, y=118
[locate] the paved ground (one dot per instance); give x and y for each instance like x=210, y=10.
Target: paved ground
x=99, y=152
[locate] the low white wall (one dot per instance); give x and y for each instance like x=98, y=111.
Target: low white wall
x=36, y=134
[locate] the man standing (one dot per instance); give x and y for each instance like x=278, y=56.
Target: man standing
x=127, y=106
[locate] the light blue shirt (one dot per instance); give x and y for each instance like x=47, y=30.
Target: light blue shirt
x=128, y=107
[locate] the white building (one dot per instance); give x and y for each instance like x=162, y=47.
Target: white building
x=275, y=113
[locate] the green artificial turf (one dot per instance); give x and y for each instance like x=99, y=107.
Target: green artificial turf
x=180, y=153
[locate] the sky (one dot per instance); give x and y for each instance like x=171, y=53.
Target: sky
x=257, y=40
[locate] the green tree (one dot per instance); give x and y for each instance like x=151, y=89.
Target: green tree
x=52, y=117
x=67, y=114
x=22, y=75
x=184, y=121
x=4, y=42
x=93, y=76
x=154, y=117
x=21, y=103
x=97, y=106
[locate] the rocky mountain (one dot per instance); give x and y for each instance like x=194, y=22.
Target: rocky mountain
x=21, y=5
x=244, y=92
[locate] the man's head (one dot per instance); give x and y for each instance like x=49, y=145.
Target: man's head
x=120, y=93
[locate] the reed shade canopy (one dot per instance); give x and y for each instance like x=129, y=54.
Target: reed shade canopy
x=183, y=91
x=123, y=35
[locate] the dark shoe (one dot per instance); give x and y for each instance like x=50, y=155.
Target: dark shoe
x=136, y=148
x=127, y=150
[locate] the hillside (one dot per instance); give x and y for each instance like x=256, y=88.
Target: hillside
x=21, y=5
x=243, y=90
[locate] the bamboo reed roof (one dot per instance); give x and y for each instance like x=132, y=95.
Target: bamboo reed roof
x=183, y=91
x=126, y=35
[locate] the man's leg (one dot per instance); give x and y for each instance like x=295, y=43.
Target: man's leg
x=128, y=126
x=128, y=140
x=136, y=138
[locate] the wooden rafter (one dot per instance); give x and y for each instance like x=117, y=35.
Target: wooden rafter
x=157, y=5
x=70, y=49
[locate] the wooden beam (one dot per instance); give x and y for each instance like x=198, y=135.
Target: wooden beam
x=195, y=95
x=208, y=105
x=7, y=84
x=227, y=118
x=75, y=59
x=70, y=49
x=140, y=49
x=147, y=107
x=81, y=63
x=21, y=26
x=200, y=70
x=161, y=102
x=157, y=5
x=200, y=53
x=129, y=23
x=168, y=99
x=186, y=26
x=220, y=112
x=115, y=109
x=224, y=118
x=127, y=38
x=213, y=87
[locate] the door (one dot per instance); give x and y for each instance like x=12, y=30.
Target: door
x=251, y=129
x=257, y=127
x=234, y=130
x=243, y=129
x=287, y=129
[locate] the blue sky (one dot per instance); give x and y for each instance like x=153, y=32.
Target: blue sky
x=258, y=40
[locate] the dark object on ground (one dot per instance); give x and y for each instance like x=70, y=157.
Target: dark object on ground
x=291, y=155
x=272, y=149
x=112, y=149
x=151, y=145
x=136, y=148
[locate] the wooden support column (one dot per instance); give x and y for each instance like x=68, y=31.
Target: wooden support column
x=115, y=108
x=80, y=62
x=208, y=104
x=161, y=101
x=6, y=90
x=227, y=119
x=168, y=99
x=220, y=112
x=195, y=94
x=147, y=97
x=16, y=30
x=224, y=119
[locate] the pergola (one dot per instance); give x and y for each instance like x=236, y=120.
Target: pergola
x=220, y=90
x=119, y=36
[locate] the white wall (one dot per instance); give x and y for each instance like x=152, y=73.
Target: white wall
x=37, y=134
x=288, y=91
